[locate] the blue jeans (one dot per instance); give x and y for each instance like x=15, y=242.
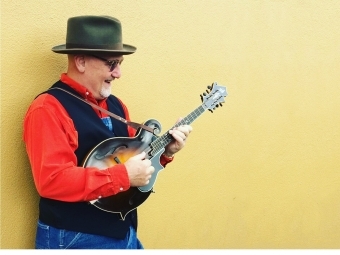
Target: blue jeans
x=48, y=237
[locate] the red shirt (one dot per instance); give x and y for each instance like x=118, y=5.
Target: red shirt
x=51, y=140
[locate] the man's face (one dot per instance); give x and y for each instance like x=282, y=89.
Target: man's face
x=100, y=71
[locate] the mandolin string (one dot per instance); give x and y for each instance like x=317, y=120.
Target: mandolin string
x=163, y=140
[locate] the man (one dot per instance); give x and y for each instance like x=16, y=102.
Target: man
x=60, y=129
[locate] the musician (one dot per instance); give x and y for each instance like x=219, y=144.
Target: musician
x=60, y=130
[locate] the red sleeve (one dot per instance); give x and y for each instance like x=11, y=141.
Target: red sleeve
x=164, y=160
x=51, y=140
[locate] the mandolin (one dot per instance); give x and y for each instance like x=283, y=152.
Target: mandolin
x=117, y=150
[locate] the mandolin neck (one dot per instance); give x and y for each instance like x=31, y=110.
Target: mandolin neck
x=162, y=141
x=211, y=100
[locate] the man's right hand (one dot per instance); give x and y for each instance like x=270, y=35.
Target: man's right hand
x=139, y=170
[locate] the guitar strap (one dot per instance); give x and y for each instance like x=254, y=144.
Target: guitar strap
x=132, y=124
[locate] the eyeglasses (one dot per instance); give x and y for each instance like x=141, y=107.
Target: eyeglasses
x=111, y=63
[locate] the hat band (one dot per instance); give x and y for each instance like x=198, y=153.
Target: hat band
x=117, y=46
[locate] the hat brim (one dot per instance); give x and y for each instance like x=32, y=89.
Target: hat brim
x=61, y=49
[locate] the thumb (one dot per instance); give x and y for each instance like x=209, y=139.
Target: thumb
x=140, y=155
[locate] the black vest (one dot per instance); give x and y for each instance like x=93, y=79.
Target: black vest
x=82, y=216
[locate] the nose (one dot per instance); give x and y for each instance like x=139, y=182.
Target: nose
x=116, y=73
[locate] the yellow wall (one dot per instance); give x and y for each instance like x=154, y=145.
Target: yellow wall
x=263, y=171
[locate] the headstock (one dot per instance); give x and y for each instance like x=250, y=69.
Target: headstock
x=214, y=96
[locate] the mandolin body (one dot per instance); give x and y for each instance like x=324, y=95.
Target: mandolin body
x=118, y=150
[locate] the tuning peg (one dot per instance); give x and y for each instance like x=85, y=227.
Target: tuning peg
x=204, y=94
x=209, y=87
x=221, y=104
x=217, y=106
x=210, y=110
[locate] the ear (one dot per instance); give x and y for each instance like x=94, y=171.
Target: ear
x=79, y=61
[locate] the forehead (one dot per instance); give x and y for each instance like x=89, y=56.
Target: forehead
x=110, y=56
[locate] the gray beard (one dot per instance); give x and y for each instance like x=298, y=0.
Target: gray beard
x=105, y=92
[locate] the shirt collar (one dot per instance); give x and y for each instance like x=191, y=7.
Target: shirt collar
x=84, y=92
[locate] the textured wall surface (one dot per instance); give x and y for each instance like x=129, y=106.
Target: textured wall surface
x=263, y=171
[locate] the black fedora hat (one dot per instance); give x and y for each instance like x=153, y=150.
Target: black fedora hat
x=100, y=34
